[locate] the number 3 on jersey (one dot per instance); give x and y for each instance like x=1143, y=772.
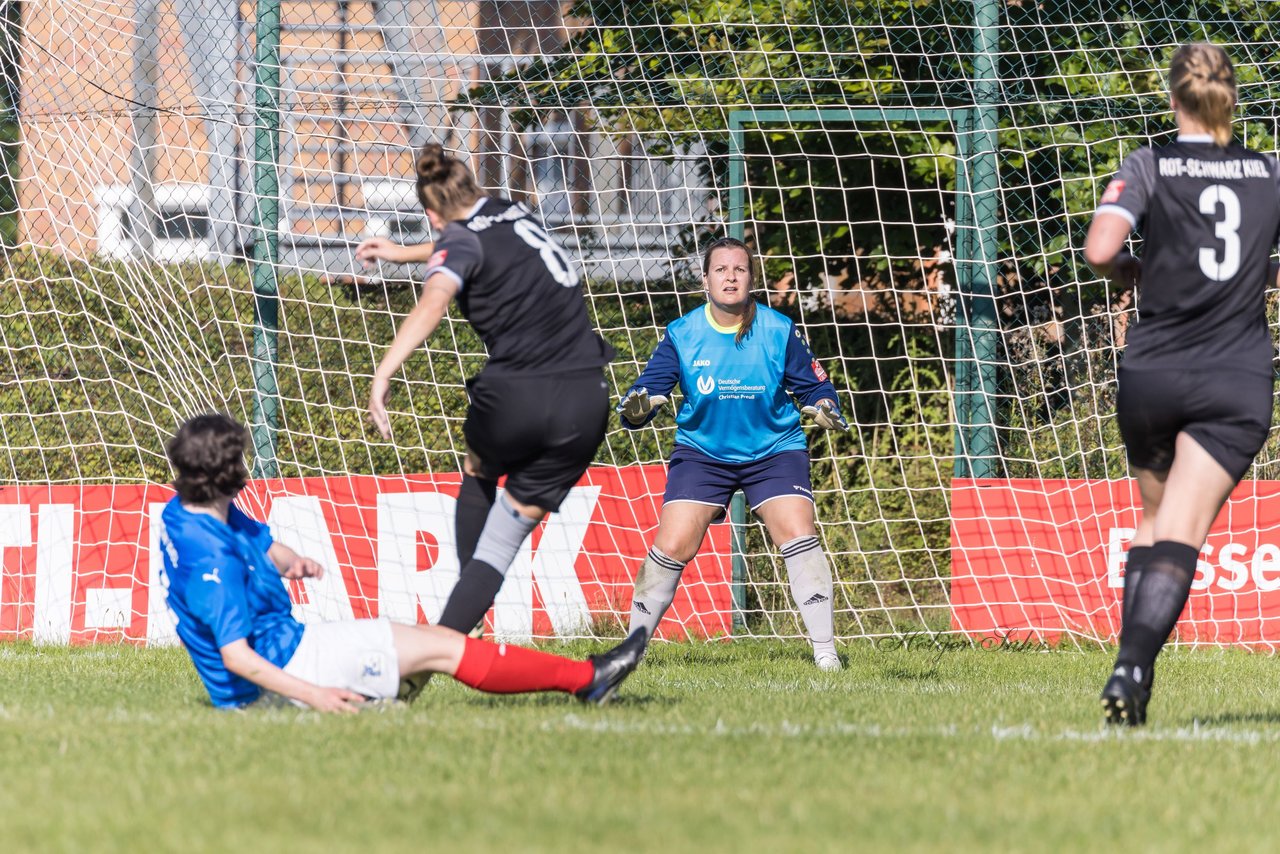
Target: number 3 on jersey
x=1224, y=229
x=556, y=259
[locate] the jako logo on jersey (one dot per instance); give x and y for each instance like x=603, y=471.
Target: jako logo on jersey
x=437, y=259
x=818, y=372
x=701, y=363
x=211, y=576
x=706, y=385
x=1112, y=195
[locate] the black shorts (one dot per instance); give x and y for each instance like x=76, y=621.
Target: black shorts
x=541, y=432
x=1227, y=413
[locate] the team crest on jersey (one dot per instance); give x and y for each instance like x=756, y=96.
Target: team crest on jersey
x=818, y=372
x=438, y=258
x=1112, y=194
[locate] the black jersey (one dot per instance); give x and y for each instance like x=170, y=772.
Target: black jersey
x=1209, y=218
x=519, y=290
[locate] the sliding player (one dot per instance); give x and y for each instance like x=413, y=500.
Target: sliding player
x=222, y=573
x=738, y=364
x=540, y=406
x=1195, y=388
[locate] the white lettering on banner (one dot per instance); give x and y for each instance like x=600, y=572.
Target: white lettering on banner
x=108, y=607
x=553, y=568
x=1117, y=555
x=160, y=617
x=1232, y=571
x=297, y=521
x=401, y=586
x=55, y=550
x=401, y=516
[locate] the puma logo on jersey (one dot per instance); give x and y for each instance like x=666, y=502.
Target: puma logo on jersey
x=211, y=576
x=706, y=385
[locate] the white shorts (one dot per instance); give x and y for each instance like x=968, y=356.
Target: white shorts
x=359, y=655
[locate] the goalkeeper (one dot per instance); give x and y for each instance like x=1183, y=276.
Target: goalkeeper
x=222, y=573
x=738, y=365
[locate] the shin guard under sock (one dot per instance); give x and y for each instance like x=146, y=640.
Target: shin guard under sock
x=505, y=669
x=1161, y=595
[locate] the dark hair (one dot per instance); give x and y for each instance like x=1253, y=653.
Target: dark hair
x=445, y=183
x=207, y=454
x=749, y=314
x=1203, y=83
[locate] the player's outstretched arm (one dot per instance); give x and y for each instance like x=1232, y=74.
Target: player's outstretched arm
x=805, y=378
x=293, y=565
x=640, y=403
x=437, y=293
x=375, y=249
x=242, y=660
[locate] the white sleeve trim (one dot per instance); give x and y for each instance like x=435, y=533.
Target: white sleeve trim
x=440, y=268
x=1118, y=211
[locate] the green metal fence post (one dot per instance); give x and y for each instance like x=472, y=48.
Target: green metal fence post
x=738, y=505
x=977, y=215
x=266, y=247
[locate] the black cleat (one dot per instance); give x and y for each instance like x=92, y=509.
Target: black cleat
x=612, y=667
x=411, y=686
x=1124, y=699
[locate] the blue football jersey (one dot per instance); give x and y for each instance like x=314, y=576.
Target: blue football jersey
x=222, y=587
x=738, y=404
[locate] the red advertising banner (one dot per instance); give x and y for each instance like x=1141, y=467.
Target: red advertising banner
x=77, y=562
x=1039, y=559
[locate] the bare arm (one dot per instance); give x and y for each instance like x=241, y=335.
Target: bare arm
x=1104, y=250
x=381, y=249
x=293, y=565
x=243, y=661
x=437, y=293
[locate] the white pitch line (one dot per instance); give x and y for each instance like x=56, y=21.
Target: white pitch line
x=1195, y=733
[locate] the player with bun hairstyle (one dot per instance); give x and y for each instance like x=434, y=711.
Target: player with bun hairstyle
x=222, y=572
x=1196, y=384
x=540, y=406
x=738, y=364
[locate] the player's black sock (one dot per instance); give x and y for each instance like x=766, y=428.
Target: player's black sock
x=1134, y=564
x=1162, y=594
x=475, y=498
x=471, y=596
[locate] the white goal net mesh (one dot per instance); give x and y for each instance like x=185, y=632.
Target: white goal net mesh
x=916, y=177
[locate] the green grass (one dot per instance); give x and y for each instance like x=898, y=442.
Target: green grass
x=711, y=747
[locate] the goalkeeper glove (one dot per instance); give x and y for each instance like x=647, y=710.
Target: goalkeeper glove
x=637, y=405
x=826, y=416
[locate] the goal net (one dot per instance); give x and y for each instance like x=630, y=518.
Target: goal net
x=192, y=176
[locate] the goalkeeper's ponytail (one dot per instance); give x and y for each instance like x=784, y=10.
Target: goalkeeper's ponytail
x=748, y=313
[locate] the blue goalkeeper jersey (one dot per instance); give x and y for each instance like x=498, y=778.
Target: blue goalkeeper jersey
x=222, y=588
x=738, y=404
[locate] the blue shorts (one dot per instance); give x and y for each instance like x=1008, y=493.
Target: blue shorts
x=695, y=477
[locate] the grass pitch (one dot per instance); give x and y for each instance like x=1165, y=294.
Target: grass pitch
x=709, y=747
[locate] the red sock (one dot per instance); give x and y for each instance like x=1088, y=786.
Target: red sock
x=500, y=668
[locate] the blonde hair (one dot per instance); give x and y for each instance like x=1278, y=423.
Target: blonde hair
x=445, y=183
x=1203, y=82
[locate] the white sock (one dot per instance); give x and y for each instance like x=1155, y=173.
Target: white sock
x=811, y=586
x=656, y=585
